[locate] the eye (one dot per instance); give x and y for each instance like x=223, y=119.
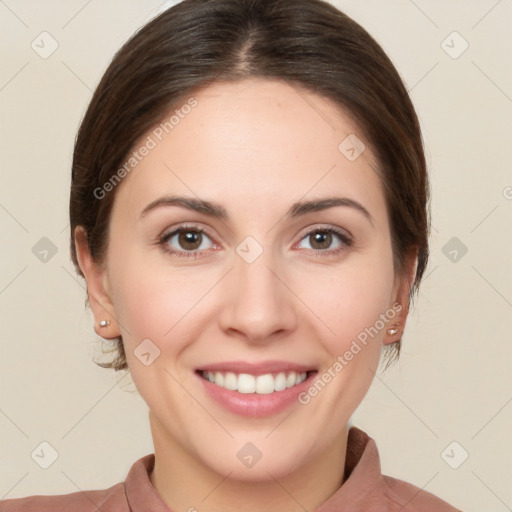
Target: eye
x=186, y=241
x=321, y=240
x=191, y=241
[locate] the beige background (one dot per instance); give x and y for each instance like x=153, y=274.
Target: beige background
x=454, y=380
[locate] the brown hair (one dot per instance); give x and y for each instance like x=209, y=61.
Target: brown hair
x=307, y=43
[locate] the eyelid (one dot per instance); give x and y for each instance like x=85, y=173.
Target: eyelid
x=346, y=241
x=326, y=227
x=183, y=227
x=163, y=240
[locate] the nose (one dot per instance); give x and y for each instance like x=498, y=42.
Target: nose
x=258, y=304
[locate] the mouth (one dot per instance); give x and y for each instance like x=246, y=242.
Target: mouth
x=262, y=384
x=255, y=390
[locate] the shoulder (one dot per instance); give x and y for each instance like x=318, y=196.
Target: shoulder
x=107, y=500
x=409, y=498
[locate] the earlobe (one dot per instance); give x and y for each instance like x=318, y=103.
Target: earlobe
x=105, y=323
x=394, y=332
x=401, y=296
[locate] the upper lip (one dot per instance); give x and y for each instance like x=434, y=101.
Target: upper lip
x=260, y=368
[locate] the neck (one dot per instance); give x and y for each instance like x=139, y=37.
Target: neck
x=187, y=485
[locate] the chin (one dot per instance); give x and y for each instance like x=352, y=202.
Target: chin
x=258, y=460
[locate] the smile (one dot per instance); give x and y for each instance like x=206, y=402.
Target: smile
x=261, y=384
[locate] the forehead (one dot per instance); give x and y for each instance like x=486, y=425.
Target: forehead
x=253, y=144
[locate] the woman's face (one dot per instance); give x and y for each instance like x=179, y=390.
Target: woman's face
x=258, y=296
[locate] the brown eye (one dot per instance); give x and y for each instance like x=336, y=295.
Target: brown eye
x=189, y=240
x=320, y=240
x=186, y=241
x=327, y=241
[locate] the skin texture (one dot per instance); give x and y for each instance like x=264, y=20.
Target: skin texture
x=256, y=147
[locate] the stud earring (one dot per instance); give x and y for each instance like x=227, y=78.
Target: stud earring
x=393, y=330
x=104, y=323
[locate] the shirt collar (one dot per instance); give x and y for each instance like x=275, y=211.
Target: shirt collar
x=363, y=484
x=362, y=489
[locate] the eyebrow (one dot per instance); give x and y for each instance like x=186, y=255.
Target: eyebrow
x=215, y=210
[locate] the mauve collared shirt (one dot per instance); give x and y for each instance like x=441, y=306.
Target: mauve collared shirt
x=365, y=489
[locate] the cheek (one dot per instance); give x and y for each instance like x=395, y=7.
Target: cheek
x=357, y=310
x=151, y=308
x=350, y=302
x=137, y=297
x=155, y=303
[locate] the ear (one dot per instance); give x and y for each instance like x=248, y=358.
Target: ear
x=97, y=288
x=401, y=293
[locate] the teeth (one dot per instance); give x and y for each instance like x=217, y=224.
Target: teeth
x=230, y=381
x=261, y=385
x=264, y=384
x=280, y=382
x=219, y=378
x=290, y=380
x=246, y=383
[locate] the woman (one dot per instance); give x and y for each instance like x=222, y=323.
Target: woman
x=249, y=211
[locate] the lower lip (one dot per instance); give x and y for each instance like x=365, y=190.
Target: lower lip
x=253, y=404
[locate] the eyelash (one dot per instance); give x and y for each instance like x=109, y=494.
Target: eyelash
x=345, y=239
